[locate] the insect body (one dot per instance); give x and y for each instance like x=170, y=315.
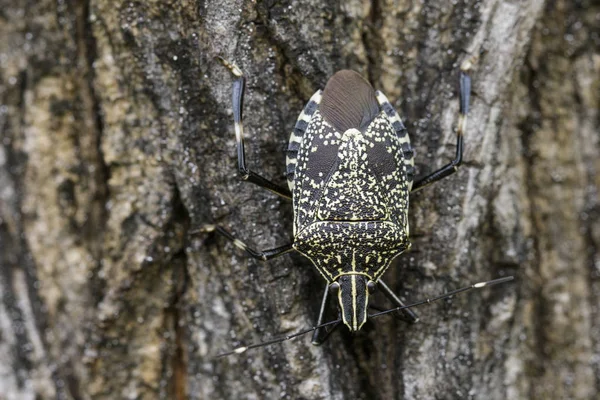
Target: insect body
x=350, y=170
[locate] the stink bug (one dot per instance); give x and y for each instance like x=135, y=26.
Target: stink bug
x=350, y=171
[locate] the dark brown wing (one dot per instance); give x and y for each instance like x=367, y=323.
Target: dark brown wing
x=348, y=101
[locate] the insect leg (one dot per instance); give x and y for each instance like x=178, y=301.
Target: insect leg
x=238, y=100
x=452, y=166
x=260, y=255
x=408, y=316
x=321, y=334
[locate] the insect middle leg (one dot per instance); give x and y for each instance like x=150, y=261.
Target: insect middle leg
x=238, y=99
x=452, y=166
x=263, y=255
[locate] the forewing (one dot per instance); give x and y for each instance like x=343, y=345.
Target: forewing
x=386, y=161
x=297, y=136
x=317, y=157
x=349, y=101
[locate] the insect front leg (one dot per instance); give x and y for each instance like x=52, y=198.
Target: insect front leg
x=452, y=166
x=407, y=314
x=238, y=100
x=321, y=334
x=263, y=255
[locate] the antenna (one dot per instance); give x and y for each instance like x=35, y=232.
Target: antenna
x=443, y=296
x=240, y=350
x=479, y=285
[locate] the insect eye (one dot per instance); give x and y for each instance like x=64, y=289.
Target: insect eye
x=371, y=286
x=334, y=287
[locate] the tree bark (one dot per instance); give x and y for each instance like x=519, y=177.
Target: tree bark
x=117, y=143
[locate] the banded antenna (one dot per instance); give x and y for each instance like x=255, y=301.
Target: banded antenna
x=479, y=285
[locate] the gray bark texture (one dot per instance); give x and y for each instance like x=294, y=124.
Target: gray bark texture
x=117, y=142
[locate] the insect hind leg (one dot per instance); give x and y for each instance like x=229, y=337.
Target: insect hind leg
x=246, y=174
x=452, y=166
